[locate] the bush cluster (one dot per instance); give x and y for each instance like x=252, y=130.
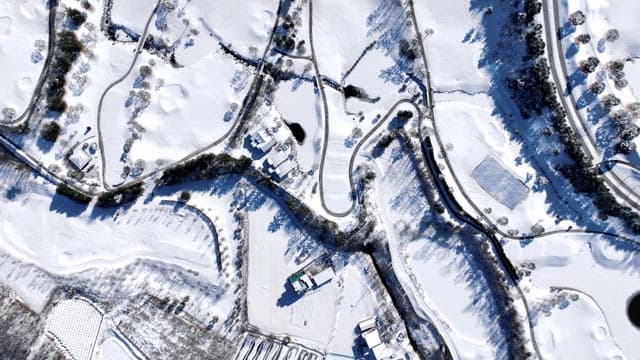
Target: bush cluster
x=64, y=189
x=67, y=50
x=204, y=167
x=50, y=131
x=120, y=196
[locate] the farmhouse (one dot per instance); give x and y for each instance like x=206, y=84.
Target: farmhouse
x=79, y=158
x=312, y=276
x=262, y=140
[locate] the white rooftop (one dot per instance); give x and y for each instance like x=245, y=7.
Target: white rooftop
x=79, y=158
x=276, y=158
x=261, y=139
x=323, y=276
x=381, y=352
x=367, y=324
x=285, y=168
x=372, y=338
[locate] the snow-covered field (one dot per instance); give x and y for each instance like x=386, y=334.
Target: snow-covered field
x=484, y=136
x=299, y=103
x=602, y=269
x=451, y=39
x=277, y=249
x=243, y=26
x=427, y=260
x=24, y=33
x=574, y=328
x=74, y=324
x=113, y=349
x=183, y=111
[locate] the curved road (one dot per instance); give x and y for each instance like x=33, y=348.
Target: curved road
x=247, y=103
x=577, y=123
x=37, y=92
x=141, y=41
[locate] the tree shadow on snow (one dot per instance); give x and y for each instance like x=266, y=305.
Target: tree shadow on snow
x=288, y=297
x=63, y=205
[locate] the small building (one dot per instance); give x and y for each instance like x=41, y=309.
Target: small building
x=381, y=352
x=366, y=324
x=323, y=277
x=285, y=168
x=371, y=337
x=262, y=140
x=276, y=158
x=301, y=282
x=312, y=276
x=79, y=158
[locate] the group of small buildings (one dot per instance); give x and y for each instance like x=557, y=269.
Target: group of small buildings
x=312, y=276
x=268, y=138
x=369, y=333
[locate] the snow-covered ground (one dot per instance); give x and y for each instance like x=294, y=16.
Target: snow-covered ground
x=132, y=15
x=243, y=26
x=339, y=43
x=603, y=269
x=277, y=249
x=182, y=111
x=298, y=102
x=588, y=337
x=429, y=262
x=62, y=244
x=113, y=349
x=451, y=33
x=24, y=33
x=484, y=136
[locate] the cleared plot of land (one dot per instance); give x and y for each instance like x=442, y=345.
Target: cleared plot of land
x=500, y=183
x=602, y=267
x=24, y=33
x=34, y=232
x=74, y=325
x=277, y=249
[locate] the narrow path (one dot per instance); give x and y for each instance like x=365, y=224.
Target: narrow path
x=37, y=92
x=138, y=50
x=244, y=111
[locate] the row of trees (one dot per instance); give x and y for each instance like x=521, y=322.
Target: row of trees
x=535, y=93
x=66, y=51
x=204, y=167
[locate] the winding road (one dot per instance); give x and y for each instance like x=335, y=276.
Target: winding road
x=577, y=123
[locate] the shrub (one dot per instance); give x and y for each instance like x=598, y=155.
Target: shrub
x=204, y=167
x=50, y=131
x=120, y=196
x=185, y=196
x=76, y=17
